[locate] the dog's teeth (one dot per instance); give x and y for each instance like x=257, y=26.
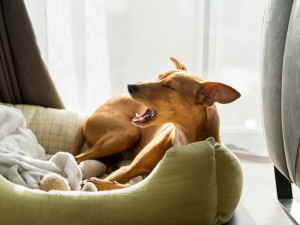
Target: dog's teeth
x=141, y=120
x=137, y=116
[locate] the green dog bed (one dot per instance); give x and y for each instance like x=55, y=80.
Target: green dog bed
x=200, y=183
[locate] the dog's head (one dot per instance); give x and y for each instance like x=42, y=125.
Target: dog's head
x=177, y=94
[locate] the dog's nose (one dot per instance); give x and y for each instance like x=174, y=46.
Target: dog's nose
x=132, y=88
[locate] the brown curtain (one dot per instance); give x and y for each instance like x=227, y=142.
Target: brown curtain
x=24, y=78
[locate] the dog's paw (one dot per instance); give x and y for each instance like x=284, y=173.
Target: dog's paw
x=88, y=186
x=104, y=185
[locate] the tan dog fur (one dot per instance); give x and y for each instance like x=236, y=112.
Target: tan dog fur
x=184, y=113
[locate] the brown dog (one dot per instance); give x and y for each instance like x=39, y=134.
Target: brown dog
x=176, y=109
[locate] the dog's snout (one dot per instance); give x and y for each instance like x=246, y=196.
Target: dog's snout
x=132, y=88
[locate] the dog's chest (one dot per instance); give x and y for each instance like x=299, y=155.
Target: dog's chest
x=180, y=138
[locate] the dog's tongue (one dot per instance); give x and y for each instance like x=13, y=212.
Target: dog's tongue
x=147, y=114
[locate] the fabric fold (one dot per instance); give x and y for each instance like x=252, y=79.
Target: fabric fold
x=22, y=157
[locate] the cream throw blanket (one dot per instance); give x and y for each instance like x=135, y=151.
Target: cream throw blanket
x=22, y=158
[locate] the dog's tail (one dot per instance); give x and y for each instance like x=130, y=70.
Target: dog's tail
x=79, y=140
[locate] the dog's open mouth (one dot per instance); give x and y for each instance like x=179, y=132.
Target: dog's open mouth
x=145, y=117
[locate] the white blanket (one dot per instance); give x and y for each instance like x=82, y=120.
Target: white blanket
x=22, y=158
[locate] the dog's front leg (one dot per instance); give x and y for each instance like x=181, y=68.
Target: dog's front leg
x=104, y=185
x=144, y=162
x=123, y=174
x=114, y=181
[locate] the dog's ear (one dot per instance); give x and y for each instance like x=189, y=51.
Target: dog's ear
x=178, y=65
x=210, y=92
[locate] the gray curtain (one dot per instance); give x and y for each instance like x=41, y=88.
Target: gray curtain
x=24, y=78
x=280, y=76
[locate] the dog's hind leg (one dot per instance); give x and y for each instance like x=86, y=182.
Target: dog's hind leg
x=79, y=140
x=111, y=143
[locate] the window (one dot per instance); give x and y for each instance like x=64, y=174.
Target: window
x=218, y=40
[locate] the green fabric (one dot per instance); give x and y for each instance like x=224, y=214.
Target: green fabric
x=55, y=129
x=200, y=183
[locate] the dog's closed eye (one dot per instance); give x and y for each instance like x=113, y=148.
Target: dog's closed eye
x=168, y=86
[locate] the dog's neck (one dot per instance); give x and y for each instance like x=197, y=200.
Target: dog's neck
x=197, y=128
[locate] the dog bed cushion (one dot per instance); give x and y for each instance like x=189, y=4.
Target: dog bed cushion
x=55, y=129
x=200, y=183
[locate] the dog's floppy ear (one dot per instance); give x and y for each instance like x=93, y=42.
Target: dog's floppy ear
x=210, y=92
x=178, y=65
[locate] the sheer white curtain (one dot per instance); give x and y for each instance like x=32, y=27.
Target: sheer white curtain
x=234, y=56
x=218, y=40
x=73, y=39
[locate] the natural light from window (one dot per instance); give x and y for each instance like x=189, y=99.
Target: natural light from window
x=94, y=48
